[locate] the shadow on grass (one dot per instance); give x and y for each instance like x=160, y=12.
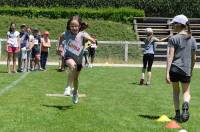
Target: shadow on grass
x=150, y=117
x=135, y=83
x=59, y=107
x=3, y=72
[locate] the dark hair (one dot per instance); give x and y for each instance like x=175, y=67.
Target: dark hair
x=189, y=29
x=10, y=29
x=23, y=26
x=83, y=25
x=187, y=26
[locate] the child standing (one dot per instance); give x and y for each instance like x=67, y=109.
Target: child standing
x=74, y=36
x=60, y=52
x=148, y=57
x=36, y=50
x=92, y=50
x=181, y=56
x=12, y=46
x=45, y=45
x=24, y=42
x=29, y=48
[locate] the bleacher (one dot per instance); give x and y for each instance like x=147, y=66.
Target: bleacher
x=162, y=29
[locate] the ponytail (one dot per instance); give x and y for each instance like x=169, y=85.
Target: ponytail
x=189, y=30
x=84, y=26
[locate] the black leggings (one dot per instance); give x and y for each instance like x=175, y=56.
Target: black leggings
x=147, y=59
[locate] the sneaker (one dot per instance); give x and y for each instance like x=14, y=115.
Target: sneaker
x=185, y=112
x=75, y=98
x=67, y=91
x=177, y=117
x=141, y=81
x=90, y=65
x=148, y=84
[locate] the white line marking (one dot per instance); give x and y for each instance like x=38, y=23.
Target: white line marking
x=7, y=88
x=61, y=95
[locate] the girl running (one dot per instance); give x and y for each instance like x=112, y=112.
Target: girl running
x=45, y=45
x=12, y=46
x=74, y=37
x=148, y=57
x=181, y=58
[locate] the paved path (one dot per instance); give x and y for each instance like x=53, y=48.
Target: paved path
x=156, y=64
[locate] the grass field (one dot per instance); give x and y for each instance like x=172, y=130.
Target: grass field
x=104, y=30
x=113, y=103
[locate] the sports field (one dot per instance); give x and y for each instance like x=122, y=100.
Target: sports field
x=114, y=102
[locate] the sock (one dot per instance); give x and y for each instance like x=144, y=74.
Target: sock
x=142, y=77
x=177, y=112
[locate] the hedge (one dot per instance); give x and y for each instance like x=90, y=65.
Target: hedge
x=114, y=14
x=165, y=8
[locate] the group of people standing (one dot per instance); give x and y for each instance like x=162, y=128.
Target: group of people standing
x=29, y=46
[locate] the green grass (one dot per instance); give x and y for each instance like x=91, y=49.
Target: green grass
x=114, y=102
x=104, y=30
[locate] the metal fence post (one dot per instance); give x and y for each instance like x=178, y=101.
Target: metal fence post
x=0, y=48
x=126, y=52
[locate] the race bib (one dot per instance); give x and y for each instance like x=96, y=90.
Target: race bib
x=74, y=47
x=36, y=42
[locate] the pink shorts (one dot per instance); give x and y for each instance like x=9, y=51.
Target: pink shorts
x=37, y=56
x=12, y=49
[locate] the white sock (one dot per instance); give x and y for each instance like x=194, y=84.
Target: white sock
x=142, y=77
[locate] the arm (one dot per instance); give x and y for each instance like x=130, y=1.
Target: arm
x=163, y=39
x=170, y=56
x=31, y=44
x=61, y=39
x=88, y=37
x=193, y=60
x=46, y=44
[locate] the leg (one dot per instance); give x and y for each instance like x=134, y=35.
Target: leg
x=76, y=84
x=143, y=69
x=42, y=60
x=176, y=93
x=14, y=62
x=72, y=70
x=20, y=60
x=150, y=63
x=186, y=99
x=76, y=81
x=45, y=59
x=8, y=61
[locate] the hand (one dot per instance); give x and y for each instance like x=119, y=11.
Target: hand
x=168, y=81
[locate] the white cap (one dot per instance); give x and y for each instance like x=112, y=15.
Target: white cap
x=182, y=19
x=149, y=30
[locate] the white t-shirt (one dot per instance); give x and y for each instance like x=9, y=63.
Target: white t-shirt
x=12, y=38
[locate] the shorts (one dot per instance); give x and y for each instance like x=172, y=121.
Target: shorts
x=92, y=52
x=23, y=53
x=12, y=49
x=79, y=66
x=177, y=77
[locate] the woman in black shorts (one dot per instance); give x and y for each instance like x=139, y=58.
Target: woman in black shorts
x=181, y=57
